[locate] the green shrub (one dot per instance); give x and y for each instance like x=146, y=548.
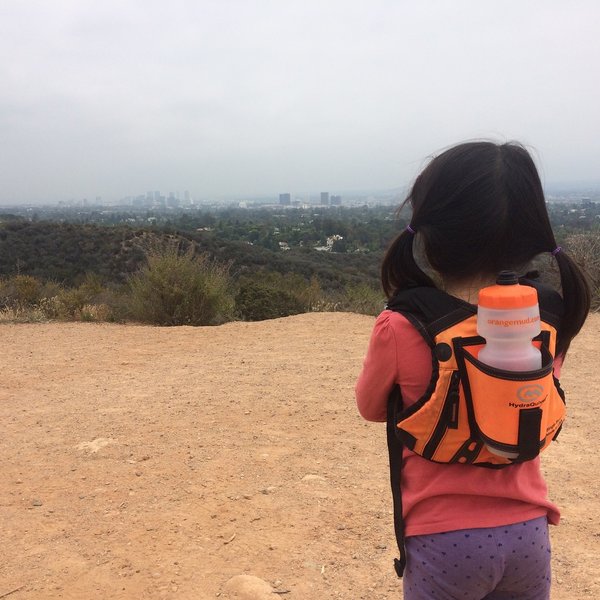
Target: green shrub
x=20, y=291
x=72, y=301
x=27, y=289
x=270, y=294
x=179, y=288
x=258, y=301
x=584, y=248
x=361, y=298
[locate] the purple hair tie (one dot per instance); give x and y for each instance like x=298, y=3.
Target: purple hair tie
x=410, y=229
x=556, y=250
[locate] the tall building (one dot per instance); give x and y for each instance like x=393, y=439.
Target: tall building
x=336, y=200
x=325, y=198
x=285, y=199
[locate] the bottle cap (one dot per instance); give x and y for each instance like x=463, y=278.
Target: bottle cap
x=507, y=293
x=507, y=278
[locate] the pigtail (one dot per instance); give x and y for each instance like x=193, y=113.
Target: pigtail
x=399, y=269
x=576, y=299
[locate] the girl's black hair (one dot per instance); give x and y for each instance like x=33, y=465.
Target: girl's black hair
x=479, y=208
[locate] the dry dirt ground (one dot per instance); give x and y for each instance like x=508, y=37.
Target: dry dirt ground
x=228, y=462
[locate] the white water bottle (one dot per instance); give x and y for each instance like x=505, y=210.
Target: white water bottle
x=508, y=317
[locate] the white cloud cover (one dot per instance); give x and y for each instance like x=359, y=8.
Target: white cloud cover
x=239, y=97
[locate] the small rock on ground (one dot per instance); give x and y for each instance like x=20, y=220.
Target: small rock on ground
x=248, y=587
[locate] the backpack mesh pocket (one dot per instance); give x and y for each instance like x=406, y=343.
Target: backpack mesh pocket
x=516, y=414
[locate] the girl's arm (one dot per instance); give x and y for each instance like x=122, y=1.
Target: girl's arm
x=379, y=372
x=397, y=354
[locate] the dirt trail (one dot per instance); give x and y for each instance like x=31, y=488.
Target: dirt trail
x=145, y=462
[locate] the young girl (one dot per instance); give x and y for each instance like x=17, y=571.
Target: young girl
x=469, y=532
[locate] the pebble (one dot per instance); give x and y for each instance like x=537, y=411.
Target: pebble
x=249, y=587
x=311, y=477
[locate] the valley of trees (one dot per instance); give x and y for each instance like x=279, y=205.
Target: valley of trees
x=271, y=261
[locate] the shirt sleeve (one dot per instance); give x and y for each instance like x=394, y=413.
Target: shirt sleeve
x=397, y=354
x=379, y=371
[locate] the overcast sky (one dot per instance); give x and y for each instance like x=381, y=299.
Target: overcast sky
x=228, y=97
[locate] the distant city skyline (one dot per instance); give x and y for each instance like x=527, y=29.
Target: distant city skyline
x=559, y=192
x=576, y=190
x=252, y=99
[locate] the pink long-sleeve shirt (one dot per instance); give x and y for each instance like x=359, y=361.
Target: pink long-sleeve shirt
x=439, y=497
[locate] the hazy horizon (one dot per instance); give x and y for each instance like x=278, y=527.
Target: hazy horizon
x=575, y=189
x=245, y=99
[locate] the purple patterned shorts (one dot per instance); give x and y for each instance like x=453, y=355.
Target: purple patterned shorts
x=511, y=562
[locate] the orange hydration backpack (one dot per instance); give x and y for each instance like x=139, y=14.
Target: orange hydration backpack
x=469, y=405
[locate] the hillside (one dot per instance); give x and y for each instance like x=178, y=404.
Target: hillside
x=156, y=463
x=66, y=252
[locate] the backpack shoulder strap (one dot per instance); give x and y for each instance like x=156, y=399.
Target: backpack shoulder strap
x=431, y=310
